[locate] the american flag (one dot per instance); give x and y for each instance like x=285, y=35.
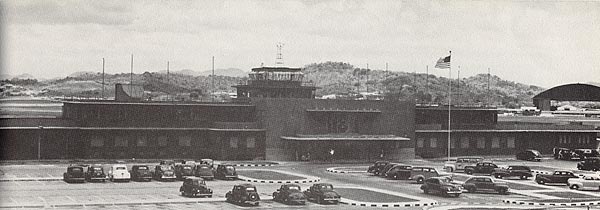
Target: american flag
x=443, y=63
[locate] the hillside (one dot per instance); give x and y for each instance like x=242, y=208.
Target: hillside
x=332, y=78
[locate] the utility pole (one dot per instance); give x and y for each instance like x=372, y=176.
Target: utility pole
x=213, y=75
x=488, y=88
x=131, y=77
x=367, y=82
x=459, y=100
x=102, y=78
x=427, y=82
x=168, y=82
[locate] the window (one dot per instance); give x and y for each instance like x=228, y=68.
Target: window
x=97, y=141
x=420, y=142
x=142, y=141
x=162, y=141
x=481, y=142
x=433, y=142
x=510, y=142
x=233, y=142
x=250, y=142
x=453, y=143
x=185, y=141
x=120, y=141
x=464, y=142
x=495, y=142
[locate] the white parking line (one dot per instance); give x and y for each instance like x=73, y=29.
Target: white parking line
x=13, y=200
x=45, y=203
x=69, y=197
x=153, y=197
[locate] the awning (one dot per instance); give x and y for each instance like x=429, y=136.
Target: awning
x=346, y=138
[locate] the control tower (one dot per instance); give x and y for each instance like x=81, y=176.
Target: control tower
x=275, y=82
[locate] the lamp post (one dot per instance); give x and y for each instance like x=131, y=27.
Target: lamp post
x=39, y=143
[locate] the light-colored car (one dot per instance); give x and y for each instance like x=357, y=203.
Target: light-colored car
x=119, y=172
x=460, y=163
x=588, y=182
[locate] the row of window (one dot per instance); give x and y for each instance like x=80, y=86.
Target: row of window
x=162, y=141
x=465, y=142
x=579, y=139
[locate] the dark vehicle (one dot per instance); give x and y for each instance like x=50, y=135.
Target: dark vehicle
x=566, y=154
x=556, y=151
x=194, y=186
x=421, y=173
x=523, y=172
x=556, y=177
x=95, y=173
x=204, y=171
x=586, y=153
x=289, y=194
x=164, y=173
x=209, y=162
x=484, y=183
x=399, y=172
x=441, y=185
x=140, y=173
x=386, y=168
x=377, y=167
x=226, y=172
x=183, y=170
x=74, y=174
x=530, y=155
x=243, y=194
x=322, y=193
x=481, y=168
x=590, y=164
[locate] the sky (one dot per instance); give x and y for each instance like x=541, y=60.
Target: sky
x=544, y=43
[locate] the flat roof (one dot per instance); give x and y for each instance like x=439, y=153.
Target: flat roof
x=128, y=128
x=506, y=131
x=345, y=110
x=346, y=138
x=281, y=69
x=155, y=103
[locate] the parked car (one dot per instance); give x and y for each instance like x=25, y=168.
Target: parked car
x=481, y=168
x=226, y=171
x=588, y=182
x=399, y=172
x=322, y=193
x=164, y=173
x=209, y=162
x=74, y=174
x=204, y=171
x=592, y=164
x=183, y=170
x=119, y=172
x=377, y=167
x=485, y=183
x=243, y=194
x=442, y=186
x=460, y=163
x=566, y=154
x=95, y=173
x=523, y=172
x=289, y=194
x=586, y=153
x=531, y=155
x=556, y=177
x=420, y=174
x=195, y=186
x=140, y=173
x=168, y=162
x=386, y=168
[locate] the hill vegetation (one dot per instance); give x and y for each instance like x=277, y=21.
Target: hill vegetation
x=331, y=77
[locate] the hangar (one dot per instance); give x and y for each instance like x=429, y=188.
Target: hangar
x=568, y=92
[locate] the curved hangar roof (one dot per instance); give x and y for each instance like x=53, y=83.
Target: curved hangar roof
x=571, y=92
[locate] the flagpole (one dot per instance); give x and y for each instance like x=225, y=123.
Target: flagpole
x=449, y=99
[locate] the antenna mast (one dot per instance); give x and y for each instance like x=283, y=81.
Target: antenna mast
x=279, y=58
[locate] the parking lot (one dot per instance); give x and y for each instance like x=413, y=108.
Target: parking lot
x=45, y=188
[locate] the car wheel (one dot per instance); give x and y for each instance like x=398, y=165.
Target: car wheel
x=456, y=195
x=498, y=176
x=469, y=172
x=420, y=180
x=541, y=181
x=210, y=196
x=575, y=187
x=523, y=177
x=426, y=191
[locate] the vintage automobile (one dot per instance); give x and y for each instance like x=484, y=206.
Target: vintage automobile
x=243, y=194
x=530, y=155
x=386, y=168
x=556, y=177
x=74, y=174
x=441, y=185
x=588, y=182
x=399, y=172
x=140, y=173
x=485, y=183
x=289, y=194
x=118, y=172
x=209, y=162
x=183, y=170
x=195, y=186
x=589, y=164
x=420, y=173
x=460, y=163
x=481, y=168
x=377, y=167
x=95, y=173
x=226, y=172
x=164, y=173
x=523, y=172
x=586, y=153
x=168, y=162
x=566, y=154
x=322, y=193
x=204, y=171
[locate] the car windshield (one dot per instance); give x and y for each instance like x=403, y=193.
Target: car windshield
x=198, y=182
x=121, y=168
x=203, y=167
x=96, y=169
x=294, y=187
x=535, y=152
x=187, y=167
x=326, y=187
x=142, y=168
x=229, y=168
x=165, y=167
x=76, y=169
x=250, y=189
